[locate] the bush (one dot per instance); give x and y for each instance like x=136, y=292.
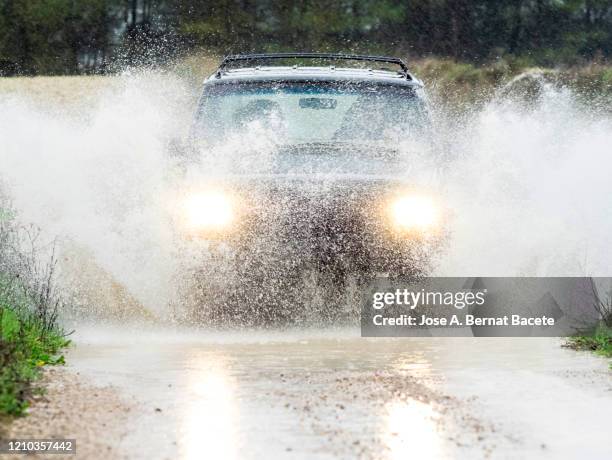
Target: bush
x=600, y=341
x=30, y=336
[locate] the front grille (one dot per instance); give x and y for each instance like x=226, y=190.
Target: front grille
x=308, y=212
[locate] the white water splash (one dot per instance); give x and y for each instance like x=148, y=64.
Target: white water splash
x=100, y=180
x=528, y=187
x=530, y=190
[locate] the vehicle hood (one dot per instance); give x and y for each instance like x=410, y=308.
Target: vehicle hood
x=320, y=161
x=323, y=175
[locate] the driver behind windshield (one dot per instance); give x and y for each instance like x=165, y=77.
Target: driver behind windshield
x=306, y=113
x=260, y=112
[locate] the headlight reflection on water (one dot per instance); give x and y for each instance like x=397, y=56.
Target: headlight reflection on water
x=411, y=431
x=210, y=422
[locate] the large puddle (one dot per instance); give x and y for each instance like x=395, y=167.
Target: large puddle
x=332, y=394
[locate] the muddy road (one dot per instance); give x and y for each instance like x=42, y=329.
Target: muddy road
x=332, y=394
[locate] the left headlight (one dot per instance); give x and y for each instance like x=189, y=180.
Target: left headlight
x=208, y=211
x=414, y=213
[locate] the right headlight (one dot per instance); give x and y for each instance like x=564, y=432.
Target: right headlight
x=413, y=212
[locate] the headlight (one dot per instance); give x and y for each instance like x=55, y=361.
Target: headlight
x=414, y=213
x=211, y=210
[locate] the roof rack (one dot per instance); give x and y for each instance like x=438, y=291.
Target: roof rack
x=329, y=56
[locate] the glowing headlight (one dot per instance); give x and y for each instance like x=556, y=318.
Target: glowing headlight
x=208, y=211
x=414, y=212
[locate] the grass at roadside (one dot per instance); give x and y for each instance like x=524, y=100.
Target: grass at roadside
x=30, y=336
x=600, y=342
x=26, y=345
x=600, y=339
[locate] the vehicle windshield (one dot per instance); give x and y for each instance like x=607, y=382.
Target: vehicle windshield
x=307, y=112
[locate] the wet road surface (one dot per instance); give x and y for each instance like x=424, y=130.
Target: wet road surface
x=332, y=394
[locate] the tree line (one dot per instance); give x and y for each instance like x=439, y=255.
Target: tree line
x=98, y=36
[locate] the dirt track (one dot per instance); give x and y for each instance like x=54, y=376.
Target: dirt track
x=330, y=394
x=74, y=408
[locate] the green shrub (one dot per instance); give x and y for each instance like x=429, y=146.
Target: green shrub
x=26, y=345
x=30, y=336
x=600, y=341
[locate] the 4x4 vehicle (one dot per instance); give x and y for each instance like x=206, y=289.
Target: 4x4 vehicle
x=313, y=166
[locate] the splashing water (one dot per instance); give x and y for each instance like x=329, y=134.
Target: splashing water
x=528, y=186
x=530, y=190
x=98, y=178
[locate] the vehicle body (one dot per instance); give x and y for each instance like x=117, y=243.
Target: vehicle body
x=301, y=166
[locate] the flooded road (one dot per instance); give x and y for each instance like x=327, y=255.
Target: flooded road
x=332, y=394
